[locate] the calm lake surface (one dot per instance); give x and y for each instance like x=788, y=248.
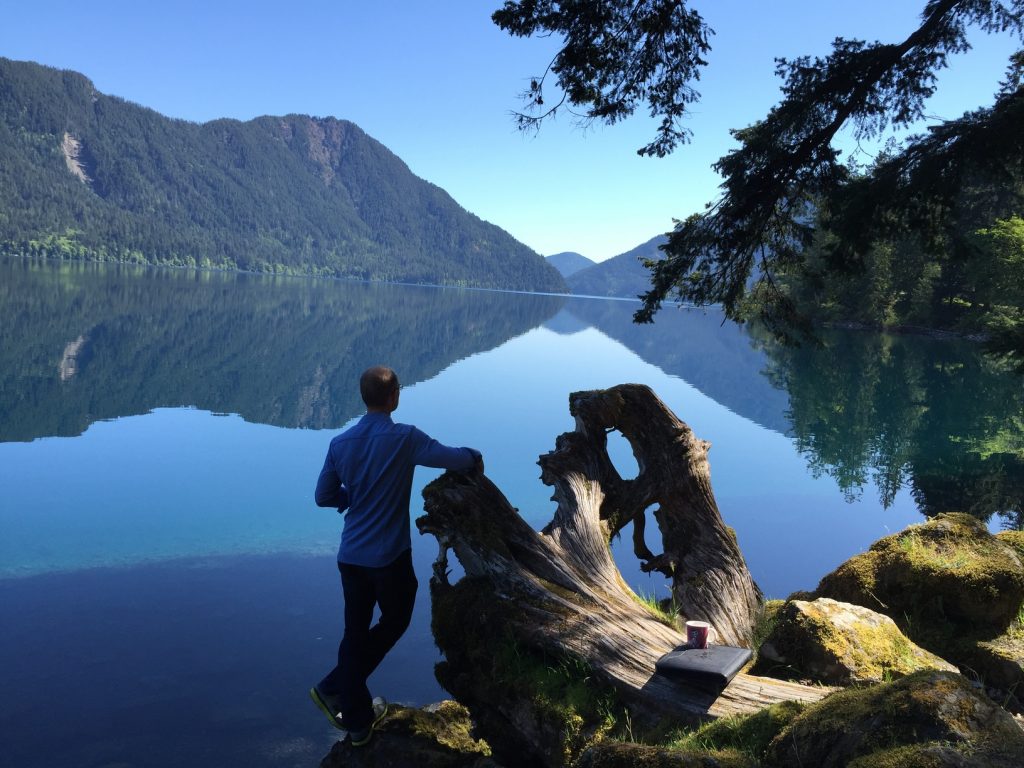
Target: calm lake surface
x=168, y=591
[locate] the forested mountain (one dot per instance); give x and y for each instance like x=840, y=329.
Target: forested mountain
x=85, y=175
x=569, y=262
x=623, y=275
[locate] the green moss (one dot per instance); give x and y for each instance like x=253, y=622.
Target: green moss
x=1014, y=539
x=629, y=755
x=929, y=755
x=941, y=581
x=984, y=753
x=926, y=708
x=664, y=611
x=447, y=724
x=998, y=663
x=878, y=652
x=560, y=692
x=749, y=735
x=835, y=644
x=766, y=623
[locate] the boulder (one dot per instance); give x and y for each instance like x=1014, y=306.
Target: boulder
x=618, y=754
x=998, y=662
x=840, y=644
x=925, y=719
x=1014, y=539
x=943, y=582
x=438, y=736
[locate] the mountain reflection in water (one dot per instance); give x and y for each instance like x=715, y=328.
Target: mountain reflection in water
x=85, y=342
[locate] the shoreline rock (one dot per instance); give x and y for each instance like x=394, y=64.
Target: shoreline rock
x=437, y=736
x=840, y=644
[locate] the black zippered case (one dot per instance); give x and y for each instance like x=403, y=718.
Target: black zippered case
x=711, y=668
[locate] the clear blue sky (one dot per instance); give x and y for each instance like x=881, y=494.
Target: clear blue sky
x=435, y=82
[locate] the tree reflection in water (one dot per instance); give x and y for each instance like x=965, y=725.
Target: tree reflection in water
x=932, y=415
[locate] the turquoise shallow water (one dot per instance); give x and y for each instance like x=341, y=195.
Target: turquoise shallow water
x=161, y=433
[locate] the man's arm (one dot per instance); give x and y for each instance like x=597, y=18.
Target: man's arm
x=430, y=453
x=329, y=490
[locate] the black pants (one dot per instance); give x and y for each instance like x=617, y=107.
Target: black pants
x=393, y=588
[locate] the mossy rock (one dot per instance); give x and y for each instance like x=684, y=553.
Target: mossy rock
x=923, y=756
x=628, y=755
x=1014, y=539
x=839, y=644
x=919, y=720
x=950, y=570
x=998, y=663
x=439, y=736
x=748, y=734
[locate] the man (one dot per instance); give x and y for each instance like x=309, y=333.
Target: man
x=369, y=471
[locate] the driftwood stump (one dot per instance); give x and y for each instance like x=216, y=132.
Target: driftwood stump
x=558, y=592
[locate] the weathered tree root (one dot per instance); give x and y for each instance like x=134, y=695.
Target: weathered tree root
x=558, y=593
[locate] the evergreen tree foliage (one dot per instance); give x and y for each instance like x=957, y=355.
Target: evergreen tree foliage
x=89, y=176
x=786, y=175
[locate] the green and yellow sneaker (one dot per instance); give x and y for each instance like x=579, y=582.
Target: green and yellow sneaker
x=362, y=737
x=327, y=705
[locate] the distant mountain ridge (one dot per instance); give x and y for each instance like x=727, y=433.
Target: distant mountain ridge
x=85, y=175
x=569, y=262
x=621, y=276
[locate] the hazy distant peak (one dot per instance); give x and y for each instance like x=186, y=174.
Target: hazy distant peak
x=623, y=275
x=569, y=262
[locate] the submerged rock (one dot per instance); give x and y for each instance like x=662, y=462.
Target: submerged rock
x=943, y=581
x=925, y=719
x=840, y=644
x=438, y=736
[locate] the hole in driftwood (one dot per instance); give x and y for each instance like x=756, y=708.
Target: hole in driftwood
x=651, y=587
x=620, y=453
x=455, y=569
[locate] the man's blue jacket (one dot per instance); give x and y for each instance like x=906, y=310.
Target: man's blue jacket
x=368, y=472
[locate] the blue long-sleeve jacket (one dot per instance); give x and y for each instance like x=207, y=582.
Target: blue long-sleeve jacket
x=368, y=472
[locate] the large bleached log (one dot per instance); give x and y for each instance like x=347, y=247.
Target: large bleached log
x=560, y=590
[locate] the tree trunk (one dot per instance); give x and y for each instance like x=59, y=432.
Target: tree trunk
x=558, y=592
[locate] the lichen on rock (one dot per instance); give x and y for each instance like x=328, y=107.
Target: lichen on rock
x=841, y=644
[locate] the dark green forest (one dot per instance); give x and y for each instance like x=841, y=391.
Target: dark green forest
x=969, y=279
x=84, y=175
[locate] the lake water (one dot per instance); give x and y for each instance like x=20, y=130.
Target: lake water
x=167, y=586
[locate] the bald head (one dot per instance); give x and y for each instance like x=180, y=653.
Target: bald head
x=378, y=385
